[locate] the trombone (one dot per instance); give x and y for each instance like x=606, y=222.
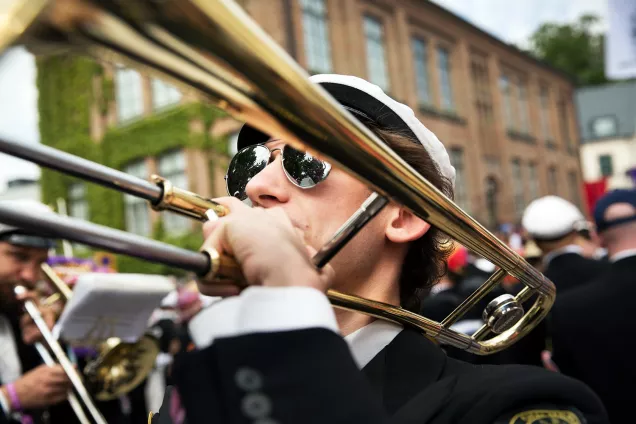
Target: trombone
x=64, y=362
x=214, y=48
x=119, y=366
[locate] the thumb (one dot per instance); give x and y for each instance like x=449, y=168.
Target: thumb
x=216, y=236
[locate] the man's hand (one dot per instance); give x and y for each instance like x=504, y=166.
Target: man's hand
x=269, y=250
x=41, y=387
x=30, y=331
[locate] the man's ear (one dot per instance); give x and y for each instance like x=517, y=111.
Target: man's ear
x=403, y=226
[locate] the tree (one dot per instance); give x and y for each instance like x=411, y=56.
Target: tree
x=572, y=48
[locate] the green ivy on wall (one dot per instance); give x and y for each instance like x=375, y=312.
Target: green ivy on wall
x=65, y=85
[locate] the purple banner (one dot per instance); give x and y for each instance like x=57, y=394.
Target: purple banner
x=632, y=175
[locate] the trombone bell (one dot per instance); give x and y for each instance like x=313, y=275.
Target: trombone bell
x=120, y=367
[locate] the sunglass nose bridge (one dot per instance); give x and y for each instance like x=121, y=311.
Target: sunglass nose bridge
x=273, y=155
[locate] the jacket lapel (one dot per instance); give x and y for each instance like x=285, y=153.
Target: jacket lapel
x=405, y=367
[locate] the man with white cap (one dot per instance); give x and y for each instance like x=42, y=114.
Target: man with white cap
x=284, y=355
x=592, y=325
x=27, y=387
x=554, y=223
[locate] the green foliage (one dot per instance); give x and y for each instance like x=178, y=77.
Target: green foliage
x=65, y=85
x=572, y=48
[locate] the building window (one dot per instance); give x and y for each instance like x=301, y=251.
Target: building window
x=420, y=55
x=604, y=127
x=461, y=184
x=522, y=106
x=506, y=93
x=552, y=181
x=77, y=201
x=172, y=166
x=164, y=94
x=574, y=186
x=517, y=186
x=444, y=65
x=606, y=166
x=533, y=181
x=544, y=113
x=376, y=57
x=316, y=36
x=491, y=202
x=136, y=209
x=483, y=104
x=564, y=121
x=129, y=94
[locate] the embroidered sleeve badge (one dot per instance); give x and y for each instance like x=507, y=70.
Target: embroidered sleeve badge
x=543, y=416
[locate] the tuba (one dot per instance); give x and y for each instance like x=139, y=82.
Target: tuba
x=215, y=49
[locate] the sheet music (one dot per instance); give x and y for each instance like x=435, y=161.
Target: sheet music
x=111, y=305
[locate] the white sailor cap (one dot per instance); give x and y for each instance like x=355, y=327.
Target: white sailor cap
x=364, y=98
x=551, y=218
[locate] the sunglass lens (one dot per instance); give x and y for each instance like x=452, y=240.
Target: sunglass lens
x=244, y=166
x=303, y=169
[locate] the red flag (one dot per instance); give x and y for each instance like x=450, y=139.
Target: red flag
x=594, y=190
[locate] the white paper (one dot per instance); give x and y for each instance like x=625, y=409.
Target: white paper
x=111, y=305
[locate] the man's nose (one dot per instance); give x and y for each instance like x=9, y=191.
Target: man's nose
x=269, y=187
x=30, y=273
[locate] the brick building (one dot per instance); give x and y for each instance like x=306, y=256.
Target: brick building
x=507, y=119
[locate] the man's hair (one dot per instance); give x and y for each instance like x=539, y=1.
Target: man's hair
x=425, y=262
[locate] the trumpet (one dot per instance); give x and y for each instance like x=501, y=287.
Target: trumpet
x=214, y=48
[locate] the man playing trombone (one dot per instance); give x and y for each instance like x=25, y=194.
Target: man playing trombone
x=277, y=352
x=28, y=387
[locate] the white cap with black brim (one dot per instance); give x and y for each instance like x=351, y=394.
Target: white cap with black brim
x=23, y=237
x=363, y=98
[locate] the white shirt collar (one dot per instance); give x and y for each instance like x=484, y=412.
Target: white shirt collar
x=277, y=309
x=366, y=342
x=572, y=248
x=622, y=255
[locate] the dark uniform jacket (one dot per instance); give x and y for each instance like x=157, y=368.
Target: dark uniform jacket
x=309, y=376
x=571, y=270
x=593, y=337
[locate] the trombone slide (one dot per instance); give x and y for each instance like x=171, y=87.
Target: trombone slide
x=62, y=359
x=72, y=399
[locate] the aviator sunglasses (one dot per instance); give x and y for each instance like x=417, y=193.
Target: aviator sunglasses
x=302, y=169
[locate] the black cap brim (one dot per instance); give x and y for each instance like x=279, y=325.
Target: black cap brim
x=352, y=98
x=28, y=240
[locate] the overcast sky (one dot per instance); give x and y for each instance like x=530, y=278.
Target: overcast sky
x=511, y=21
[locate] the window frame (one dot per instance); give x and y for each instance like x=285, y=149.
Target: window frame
x=370, y=16
x=611, y=118
x=610, y=164
x=135, y=202
x=305, y=12
x=139, y=109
